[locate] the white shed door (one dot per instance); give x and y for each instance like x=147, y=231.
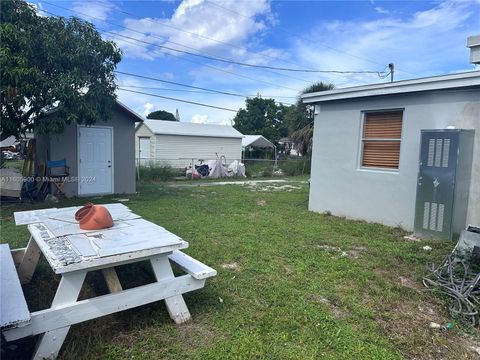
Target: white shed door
x=95, y=161
x=144, y=150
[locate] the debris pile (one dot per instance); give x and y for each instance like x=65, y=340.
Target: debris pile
x=458, y=276
x=216, y=169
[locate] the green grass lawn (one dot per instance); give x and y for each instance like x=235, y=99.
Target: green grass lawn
x=291, y=284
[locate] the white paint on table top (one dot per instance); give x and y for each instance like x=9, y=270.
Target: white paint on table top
x=69, y=248
x=67, y=214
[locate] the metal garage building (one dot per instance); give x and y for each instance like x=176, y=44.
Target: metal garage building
x=178, y=143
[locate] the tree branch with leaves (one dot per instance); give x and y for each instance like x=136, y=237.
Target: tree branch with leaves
x=52, y=63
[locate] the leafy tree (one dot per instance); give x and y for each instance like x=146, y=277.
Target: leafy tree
x=261, y=117
x=52, y=63
x=161, y=115
x=299, y=120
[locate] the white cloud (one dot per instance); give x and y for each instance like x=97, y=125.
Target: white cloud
x=425, y=43
x=199, y=119
x=147, y=108
x=93, y=11
x=38, y=7
x=197, y=24
x=168, y=75
x=381, y=10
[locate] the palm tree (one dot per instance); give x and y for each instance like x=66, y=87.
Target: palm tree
x=301, y=119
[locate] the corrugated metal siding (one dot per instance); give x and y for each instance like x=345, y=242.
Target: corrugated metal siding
x=142, y=131
x=179, y=150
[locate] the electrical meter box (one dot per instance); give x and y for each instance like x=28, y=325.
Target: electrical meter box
x=443, y=183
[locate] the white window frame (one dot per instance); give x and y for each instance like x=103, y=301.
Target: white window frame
x=362, y=139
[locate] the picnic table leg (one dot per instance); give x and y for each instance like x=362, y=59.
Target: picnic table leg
x=176, y=306
x=49, y=343
x=112, y=280
x=29, y=261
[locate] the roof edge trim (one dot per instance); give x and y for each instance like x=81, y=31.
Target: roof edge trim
x=444, y=82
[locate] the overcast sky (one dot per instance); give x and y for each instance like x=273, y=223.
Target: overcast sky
x=422, y=38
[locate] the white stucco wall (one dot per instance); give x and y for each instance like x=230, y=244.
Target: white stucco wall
x=339, y=185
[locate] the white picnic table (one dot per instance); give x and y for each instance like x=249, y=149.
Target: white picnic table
x=72, y=253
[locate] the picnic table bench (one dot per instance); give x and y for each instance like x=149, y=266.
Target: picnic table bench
x=72, y=253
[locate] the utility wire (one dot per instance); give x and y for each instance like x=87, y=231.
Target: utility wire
x=180, y=84
x=245, y=64
x=190, y=86
x=179, y=100
x=167, y=89
x=206, y=65
x=163, y=38
x=304, y=38
x=197, y=35
x=220, y=59
x=201, y=91
x=181, y=58
x=215, y=58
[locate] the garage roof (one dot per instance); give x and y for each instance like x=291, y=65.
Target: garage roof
x=162, y=127
x=256, y=141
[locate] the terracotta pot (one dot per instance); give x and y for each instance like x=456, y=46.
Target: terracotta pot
x=94, y=217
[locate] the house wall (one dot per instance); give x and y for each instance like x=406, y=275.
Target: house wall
x=57, y=147
x=178, y=150
x=340, y=186
x=143, y=131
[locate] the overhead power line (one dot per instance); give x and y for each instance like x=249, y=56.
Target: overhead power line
x=179, y=84
x=246, y=64
x=179, y=100
x=195, y=34
x=190, y=86
x=216, y=58
x=207, y=65
x=200, y=91
x=181, y=58
x=167, y=40
x=305, y=38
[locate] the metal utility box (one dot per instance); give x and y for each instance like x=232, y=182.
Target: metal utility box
x=443, y=183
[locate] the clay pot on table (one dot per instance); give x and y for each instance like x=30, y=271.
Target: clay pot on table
x=94, y=217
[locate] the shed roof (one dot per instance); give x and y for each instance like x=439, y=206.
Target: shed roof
x=256, y=141
x=136, y=117
x=162, y=127
x=469, y=79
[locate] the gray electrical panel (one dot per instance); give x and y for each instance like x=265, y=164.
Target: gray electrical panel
x=443, y=183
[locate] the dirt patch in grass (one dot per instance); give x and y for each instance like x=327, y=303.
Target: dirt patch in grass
x=355, y=252
x=194, y=335
x=335, y=310
x=231, y=266
x=409, y=283
x=408, y=326
x=328, y=247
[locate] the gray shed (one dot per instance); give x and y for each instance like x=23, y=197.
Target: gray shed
x=101, y=157
x=366, y=147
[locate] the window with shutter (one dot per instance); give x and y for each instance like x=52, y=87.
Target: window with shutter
x=381, y=139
